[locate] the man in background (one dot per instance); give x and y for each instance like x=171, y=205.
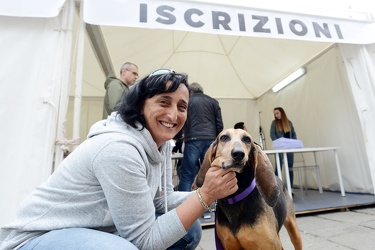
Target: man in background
x=203, y=124
x=116, y=88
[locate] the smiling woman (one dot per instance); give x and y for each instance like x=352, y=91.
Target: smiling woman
x=118, y=182
x=162, y=109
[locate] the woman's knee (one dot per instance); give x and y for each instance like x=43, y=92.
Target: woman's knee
x=194, y=235
x=191, y=239
x=78, y=238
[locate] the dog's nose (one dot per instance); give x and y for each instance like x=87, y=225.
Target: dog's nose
x=237, y=154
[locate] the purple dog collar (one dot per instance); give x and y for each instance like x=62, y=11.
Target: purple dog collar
x=241, y=196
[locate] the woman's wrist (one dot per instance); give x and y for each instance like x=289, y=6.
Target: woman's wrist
x=205, y=205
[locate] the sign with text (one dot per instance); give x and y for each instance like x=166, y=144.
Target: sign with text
x=226, y=20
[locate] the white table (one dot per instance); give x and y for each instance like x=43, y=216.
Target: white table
x=175, y=157
x=304, y=150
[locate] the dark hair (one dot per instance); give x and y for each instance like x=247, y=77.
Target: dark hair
x=130, y=108
x=239, y=125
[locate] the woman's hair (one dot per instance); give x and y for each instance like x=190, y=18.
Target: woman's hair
x=282, y=124
x=130, y=108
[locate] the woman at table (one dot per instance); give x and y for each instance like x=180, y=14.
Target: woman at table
x=281, y=126
x=115, y=190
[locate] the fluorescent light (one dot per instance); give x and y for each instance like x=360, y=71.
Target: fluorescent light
x=291, y=78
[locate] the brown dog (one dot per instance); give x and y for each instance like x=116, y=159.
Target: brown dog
x=252, y=217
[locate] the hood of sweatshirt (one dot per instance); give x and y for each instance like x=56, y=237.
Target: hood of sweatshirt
x=109, y=79
x=143, y=138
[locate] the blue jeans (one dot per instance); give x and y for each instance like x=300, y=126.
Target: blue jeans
x=290, y=158
x=78, y=239
x=84, y=239
x=190, y=240
x=193, y=151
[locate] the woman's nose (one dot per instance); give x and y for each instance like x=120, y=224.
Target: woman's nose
x=172, y=113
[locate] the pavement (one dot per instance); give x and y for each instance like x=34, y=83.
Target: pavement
x=341, y=229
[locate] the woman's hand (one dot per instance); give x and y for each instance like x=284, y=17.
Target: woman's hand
x=218, y=183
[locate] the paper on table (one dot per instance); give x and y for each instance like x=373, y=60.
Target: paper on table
x=285, y=143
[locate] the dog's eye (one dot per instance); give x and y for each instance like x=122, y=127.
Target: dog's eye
x=224, y=138
x=246, y=139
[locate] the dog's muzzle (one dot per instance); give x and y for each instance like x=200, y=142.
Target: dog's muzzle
x=236, y=167
x=237, y=163
x=237, y=154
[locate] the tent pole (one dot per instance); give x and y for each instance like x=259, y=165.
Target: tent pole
x=79, y=78
x=65, y=74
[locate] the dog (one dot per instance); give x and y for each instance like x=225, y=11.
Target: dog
x=252, y=217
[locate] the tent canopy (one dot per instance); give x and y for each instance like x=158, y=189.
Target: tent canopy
x=218, y=45
x=247, y=66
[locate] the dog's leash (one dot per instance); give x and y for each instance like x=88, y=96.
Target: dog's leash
x=232, y=200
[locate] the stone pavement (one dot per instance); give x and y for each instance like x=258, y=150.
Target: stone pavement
x=349, y=229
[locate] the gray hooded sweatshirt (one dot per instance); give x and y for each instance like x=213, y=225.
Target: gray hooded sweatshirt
x=111, y=182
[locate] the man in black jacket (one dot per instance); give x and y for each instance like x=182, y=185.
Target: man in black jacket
x=203, y=124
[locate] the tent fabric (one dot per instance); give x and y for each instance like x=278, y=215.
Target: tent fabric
x=247, y=66
x=21, y=8
x=360, y=65
x=28, y=97
x=31, y=82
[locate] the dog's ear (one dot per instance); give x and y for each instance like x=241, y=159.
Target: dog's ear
x=265, y=176
x=206, y=164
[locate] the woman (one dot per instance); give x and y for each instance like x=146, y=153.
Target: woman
x=282, y=127
x=115, y=190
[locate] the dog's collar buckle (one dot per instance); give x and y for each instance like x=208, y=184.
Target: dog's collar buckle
x=242, y=195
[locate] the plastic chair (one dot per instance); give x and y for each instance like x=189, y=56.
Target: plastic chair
x=300, y=166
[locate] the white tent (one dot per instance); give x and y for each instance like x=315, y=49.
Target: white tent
x=332, y=105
